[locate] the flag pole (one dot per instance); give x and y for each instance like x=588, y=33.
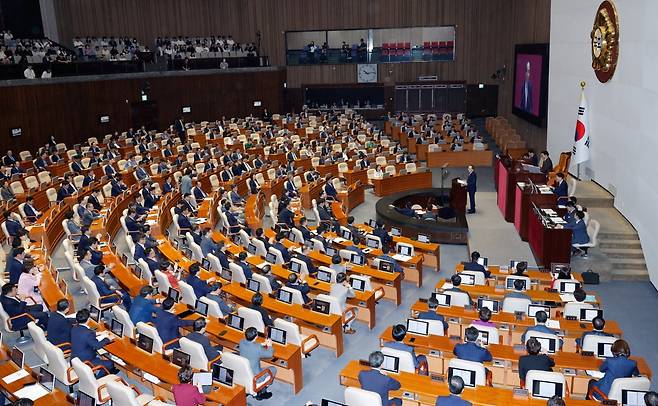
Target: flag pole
x=582, y=89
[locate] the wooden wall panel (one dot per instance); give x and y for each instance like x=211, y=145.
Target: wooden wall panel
x=70, y=111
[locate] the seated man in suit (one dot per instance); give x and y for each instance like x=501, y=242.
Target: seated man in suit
x=15, y=265
x=306, y=233
x=398, y=334
x=299, y=283
x=386, y=257
x=107, y=294
x=14, y=227
x=88, y=214
x=561, y=190
x=59, y=326
x=456, y=281
x=198, y=336
x=375, y=381
x=151, y=259
x=143, y=306
x=473, y=265
x=383, y=235
x=598, y=324
x=329, y=188
x=235, y=197
x=197, y=192
x=168, y=324
x=519, y=288
x=84, y=345
x=470, y=350
x=184, y=222
x=208, y=245
x=456, y=387
x=431, y=314
x=546, y=163
x=254, y=352
x=201, y=287
x=242, y=262
x=578, y=232
x=286, y=216
x=534, y=361
x=266, y=271
x=279, y=246
x=353, y=229
x=304, y=257
x=31, y=213
x=540, y=318
x=224, y=307
x=406, y=210
x=14, y=306
x=257, y=304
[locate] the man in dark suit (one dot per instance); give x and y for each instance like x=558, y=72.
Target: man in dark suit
x=374, y=381
x=84, y=345
x=59, y=326
x=279, y=246
x=168, y=324
x=473, y=265
x=579, y=230
x=383, y=235
x=286, y=216
x=398, y=333
x=456, y=387
x=31, y=213
x=266, y=271
x=470, y=350
x=431, y=313
x=306, y=233
x=14, y=228
x=299, y=283
x=561, y=190
x=200, y=287
x=143, y=306
x=106, y=293
x=198, y=336
x=183, y=220
x=257, y=304
x=534, y=360
x=13, y=306
x=180, y=129
x=598, y=324
x=15, y=264
x=471, y=187
x=547, y=164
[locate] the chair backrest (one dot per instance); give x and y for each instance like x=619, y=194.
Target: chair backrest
x=237, y=273
x=87, y=382
x=17, y=187
x=264, y=284
x=147, y=275
x=390, y=169
x=31, y=182
x=242, y=373
x=459, y=299
x=278, y=254
x=187, y=293
x=492, y=332
x=123, y=317
x=535, y=375
x=436, y=327
x=51, y=193
x=39, y=338
x=213, y=307
x=92, y=292
x=410, y=248
x=360, y=397
x=299, y=237
x=591, y=342
x=639, y=383
x=334, y=305
x=252, y=318
x=477, y=367
x=163, y=282
x=151, y=332
x=293, y=335
x=198, y=358
x=44, y=177
x=121, y=394
x=525, y=279
x=593, y=228
x=410, y=167
x=478, y=276
x=57, y=363
x=573, y=308
x=297, y=297
x=406, y=363
x=515, y=304
x=538, y=334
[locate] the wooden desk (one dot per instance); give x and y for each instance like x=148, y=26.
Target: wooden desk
x=549, y=245
x=354, y=175
x=523, y=206
x=508, y=175
x=399, y=183
x=353, y=196
x=538, y=278
x=310, y=191
x=56, y=397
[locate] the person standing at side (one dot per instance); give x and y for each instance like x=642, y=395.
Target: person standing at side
x=471, y=187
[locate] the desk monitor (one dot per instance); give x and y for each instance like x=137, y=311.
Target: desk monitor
x=391, y=364
x=227, y=274
x=547, y=344
x=295, y=266
x=557, y=267
x=395, y=232
x=513, y=264
x=509, y=283
x=174, y=243
x=205, y=263
x=493, y=305
x=270, y=257
x=418, y=327
x=124, y=258
x=236, y=322
x=136, y=270
x=285, y=296
x=174, y=294
x=202, y=378
x=546, y=389
x=483, y=337
x=404, y=250
x=16, y=357
x=442, y=298
x=604, y=350
x=357, y=259
x=324, y=276
x=590, y=314
x=327, y=402
x=346, y=234
x=116, y=327
x=201, y=308
x=467, y=279
x=145, y=343
x=94, y=313
x=46, y=379
x=484, y=261
x=568, y=286
x=358, y=284
x=222, y=375
x=237, y=240
x=534, y=308
x=277, y=335
x=321, y=306
x=180, y=358
x=251, y=248
x=372, y=223
x=423, y=238
x=253, y=285
x=372, y=242
x=385, y=266
x=467, y=375
x=84, y=400
x=330, y=251
x=632, y=397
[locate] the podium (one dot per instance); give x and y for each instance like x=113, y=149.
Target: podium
x=458, y=196
x=509, y=174
x=549, y=245
x=525, y=200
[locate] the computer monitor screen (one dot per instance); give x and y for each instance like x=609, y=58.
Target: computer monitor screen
x=202, y=378
x=357, y=259
x=509, y=283
x=327, y=402
x=277, y=335
x=330, y=251
x=358, y=284
x=484, y=261
x=137, y=271
x=372, y=223
x=590, y=314
x=346, y=234
x=173, y=293
x=568, y=287
x=391, y=364
x=285, y=296
x=270, y=257
x=547, y=344
x=442, y=298
x=251, y=248
x=395, y=231
x=385, y=266
x=237, y=240
x=467, y=375
x=117, y=328
x=493, y=305
x=372, y=243
x=423, y=238
x=534, y=308
x=84, y=400
x=201, y=307
x=253, y=285
x=222, y=375
x=467, y=279
x=321, y=306
x=324, y=276
x=227, y=274
x=404, y=250
x=604, y=350
x=145, y=343
x=236, y=322
x=17, y=357
x=94, y=313
x=513, y=264
x=295, y=266
x=205, y=263
x=545, y=389
x=483, y=337
x=187, y=109
x=180, y=358
x=46, y=379
x=418, y=327
x=632, y=397
x=559, y=268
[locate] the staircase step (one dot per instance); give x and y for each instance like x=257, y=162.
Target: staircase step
x=629, y=266
x=630, y=275
x=634, y=253
x=620, y=244
x=618, y=236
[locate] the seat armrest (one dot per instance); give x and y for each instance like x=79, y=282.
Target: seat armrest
x=310, y=339
x=265, y=383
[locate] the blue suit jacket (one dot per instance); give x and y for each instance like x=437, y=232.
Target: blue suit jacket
x=200, y=287
x=142, y=309
x=15, y=268
x=561, y=190
x=472, y=352
x=303, y=289
x=14, y=307
x=84, y=344
x=198, y=193
x=451, y=400
x=208, y=246
x=13, y=227
x=287, y=217
x=284, y=251
x=383, y=235
x=139, y=252
x=617, y=367
x=29, y=212
x=474, y=266
x=254, y=352
x=211, y=351
x=375, y=381
x=471, y=182
x=184, y=222
x=168, y=325
x=102, y=286
x=167, y=187
x=59, y=328
x=579, y=232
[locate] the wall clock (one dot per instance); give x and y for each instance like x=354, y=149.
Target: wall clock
x=366, y=72
x=605, y=41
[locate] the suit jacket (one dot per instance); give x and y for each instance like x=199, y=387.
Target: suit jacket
x=304, y=289
x=561, y=190
x=284, y=251
x=198, y=193
x=15, y=269
x=200, y=287
x=432, y=315
x=59, y=328
x=540, y=362
x=13, y=307
x=579, y=232
x=616, y=367
x=375, y=381
x=383, y=235
x=184, y=222
x=211, y=351
x=168, y=325
x=547, y=166
x=287, y=217
x=139, y=251
x=474, y=266
x=330, y=190
x=13, y=227
x=254, y=352
x=84, y=344
x=471, y=182
x=142, y=309
x=30, y=212
x=472, y=352
x=208, y=246
x=451, y=400
x=526, y=96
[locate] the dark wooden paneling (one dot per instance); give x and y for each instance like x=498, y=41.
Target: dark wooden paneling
x=70, y=111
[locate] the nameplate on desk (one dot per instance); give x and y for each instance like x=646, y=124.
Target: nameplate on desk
x=519, y=393
x=151, y=378
x=20, y=374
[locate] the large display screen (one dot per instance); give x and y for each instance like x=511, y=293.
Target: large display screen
x=531, y=82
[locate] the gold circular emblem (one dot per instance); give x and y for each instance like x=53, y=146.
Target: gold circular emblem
x=605, y=41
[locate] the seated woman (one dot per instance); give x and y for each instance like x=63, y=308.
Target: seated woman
x=619, y=366
x=27, y=282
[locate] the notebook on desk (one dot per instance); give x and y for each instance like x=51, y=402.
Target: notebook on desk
x=400, y=257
